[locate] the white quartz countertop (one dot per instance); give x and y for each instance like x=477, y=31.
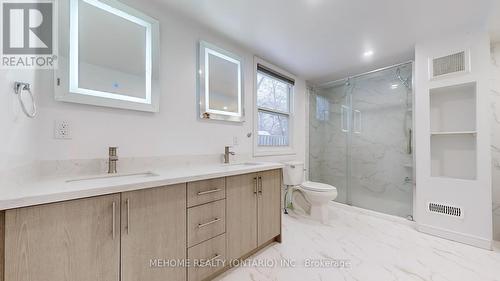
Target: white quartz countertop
x=45, y=191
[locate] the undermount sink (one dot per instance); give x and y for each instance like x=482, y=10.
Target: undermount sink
x=115, y=176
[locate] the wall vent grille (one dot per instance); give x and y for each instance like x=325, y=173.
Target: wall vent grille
x=445, y=210
x=454, y=63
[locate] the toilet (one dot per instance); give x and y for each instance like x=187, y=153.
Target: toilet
x=318, y=194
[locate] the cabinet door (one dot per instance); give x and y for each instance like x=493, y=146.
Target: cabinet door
x=241, y=215
x=153, y=227
x=69, y=241
x=269, y=211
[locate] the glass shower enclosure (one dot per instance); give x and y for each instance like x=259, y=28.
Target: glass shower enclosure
x=360, y=139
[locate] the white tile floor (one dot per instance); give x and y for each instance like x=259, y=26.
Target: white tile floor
x=376, y=249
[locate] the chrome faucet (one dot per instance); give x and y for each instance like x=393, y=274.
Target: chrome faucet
x=113, y=157
x=227, y=153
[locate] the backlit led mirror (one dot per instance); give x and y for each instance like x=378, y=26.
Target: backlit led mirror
x=220, y=84
x=108, y=56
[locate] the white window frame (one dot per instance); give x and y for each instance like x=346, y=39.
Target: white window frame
x=273, y=150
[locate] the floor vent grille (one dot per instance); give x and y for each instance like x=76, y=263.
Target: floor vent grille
x=454, y=63
x=445, y=210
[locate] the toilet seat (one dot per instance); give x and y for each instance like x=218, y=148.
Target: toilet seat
x=317, y=187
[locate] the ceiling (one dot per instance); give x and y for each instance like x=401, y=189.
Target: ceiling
x=321, y=40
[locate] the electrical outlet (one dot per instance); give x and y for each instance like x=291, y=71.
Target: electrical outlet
x=235, y=141
x=62, y=130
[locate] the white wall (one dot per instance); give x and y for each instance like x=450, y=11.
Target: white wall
x=473, y=196
x=176, y=130
x=17, y=133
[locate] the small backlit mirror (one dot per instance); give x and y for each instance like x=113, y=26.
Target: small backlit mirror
x=220, y=84
x=109, y=55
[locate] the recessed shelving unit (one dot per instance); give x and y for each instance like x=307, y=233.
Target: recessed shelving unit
x=453, y=108
x=454, y=156
x=453, y=131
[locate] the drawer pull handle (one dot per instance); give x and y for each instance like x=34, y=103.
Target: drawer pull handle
x=128, y=216
x=113, y=220
x=209, y=191
x=260, y=185
x=214, y=258
x=255, y=190
x=200, y=225
x=211, y=259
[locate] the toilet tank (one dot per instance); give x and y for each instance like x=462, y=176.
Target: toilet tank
x=293, y=173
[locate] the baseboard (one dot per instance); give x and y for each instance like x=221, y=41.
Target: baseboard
x=443, y=233
x=496, y=246
x=456, y=236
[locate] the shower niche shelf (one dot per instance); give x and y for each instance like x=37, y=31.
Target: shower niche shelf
x=453, y=131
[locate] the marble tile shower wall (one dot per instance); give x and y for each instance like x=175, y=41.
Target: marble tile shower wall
x=379, y=158
x=381, y=165
x=495, y=142
x=327, y=141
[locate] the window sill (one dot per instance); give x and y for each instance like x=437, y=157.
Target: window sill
x=277, y=152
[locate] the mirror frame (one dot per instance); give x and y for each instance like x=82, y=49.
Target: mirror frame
x=206, y=49
x=66, y=79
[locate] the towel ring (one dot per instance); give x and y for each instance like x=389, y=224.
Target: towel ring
x=19, y=87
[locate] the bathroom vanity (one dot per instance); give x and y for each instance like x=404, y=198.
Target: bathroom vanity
x=161, y=227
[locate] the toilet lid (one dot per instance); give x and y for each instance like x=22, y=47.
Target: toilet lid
x=317, y=186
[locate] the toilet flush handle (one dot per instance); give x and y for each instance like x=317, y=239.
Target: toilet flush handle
x=293, y=167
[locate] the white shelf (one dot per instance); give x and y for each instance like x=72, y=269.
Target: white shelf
x=454, y=156
x=455, y=133
x=453, y=108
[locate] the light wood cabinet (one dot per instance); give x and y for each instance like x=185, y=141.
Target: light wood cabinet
x=210, y=257
x=253, y=211
x=269, y=206
x=153, y=227
x=201, y=192
x=241, y=215
x=206, y=221
x=69, y=241
x=124, y=236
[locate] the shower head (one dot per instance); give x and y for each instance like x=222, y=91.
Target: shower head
x=348, y=81
x=406, y=82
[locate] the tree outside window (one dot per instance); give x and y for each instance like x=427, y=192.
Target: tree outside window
x=273, y=103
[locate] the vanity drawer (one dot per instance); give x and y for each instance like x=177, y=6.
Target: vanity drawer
x=206, y=221
x=201, y=192
x=207, y=258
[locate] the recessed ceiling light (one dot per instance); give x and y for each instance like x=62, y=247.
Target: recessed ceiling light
x=368, y=53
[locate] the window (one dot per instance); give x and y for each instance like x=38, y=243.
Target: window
x=322, y=108
x=274, y=96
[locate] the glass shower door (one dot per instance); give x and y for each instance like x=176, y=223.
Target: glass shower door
x=380, y=143
x=328, y=138
x=360, y=134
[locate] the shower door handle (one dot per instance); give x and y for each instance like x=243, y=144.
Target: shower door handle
x=357, y=121
x=344, y=120
x=410, y=142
